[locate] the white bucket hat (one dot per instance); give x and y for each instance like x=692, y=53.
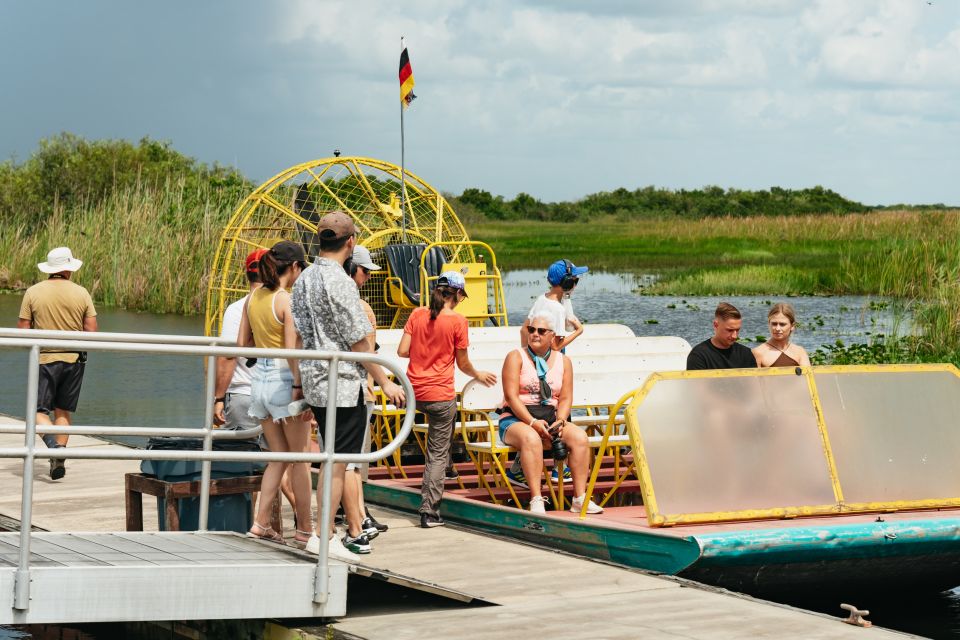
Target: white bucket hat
x=60, y=259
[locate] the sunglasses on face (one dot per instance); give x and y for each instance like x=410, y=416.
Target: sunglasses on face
x=365, y=270
x=541, y=330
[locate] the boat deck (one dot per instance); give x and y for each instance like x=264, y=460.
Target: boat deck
x=635, y=517
x=850, y=552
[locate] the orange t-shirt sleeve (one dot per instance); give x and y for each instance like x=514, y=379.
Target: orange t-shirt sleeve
x=461, y=339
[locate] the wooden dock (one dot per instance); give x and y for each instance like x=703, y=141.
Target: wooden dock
x=543, y=594
x=537, y=593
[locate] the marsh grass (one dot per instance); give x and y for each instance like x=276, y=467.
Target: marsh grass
x=829, y=254
x=912, y=256
x=143, y=249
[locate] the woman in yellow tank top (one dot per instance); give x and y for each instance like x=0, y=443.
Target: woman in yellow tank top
x=266, y=320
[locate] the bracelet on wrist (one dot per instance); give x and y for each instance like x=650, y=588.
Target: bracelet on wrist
x=297, y=386
x=220, y=399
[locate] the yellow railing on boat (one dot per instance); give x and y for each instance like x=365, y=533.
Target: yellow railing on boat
x=713, y=446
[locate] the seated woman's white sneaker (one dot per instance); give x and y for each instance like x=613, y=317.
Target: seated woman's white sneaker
x=576, y=505
x=537, y=505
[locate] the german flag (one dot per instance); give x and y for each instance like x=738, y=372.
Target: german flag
x=406, y=79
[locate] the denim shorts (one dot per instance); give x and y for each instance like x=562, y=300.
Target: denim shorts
x=506, y=419
x=270, y=389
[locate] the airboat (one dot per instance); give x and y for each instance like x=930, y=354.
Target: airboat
x=761, y=481
x=417, y=239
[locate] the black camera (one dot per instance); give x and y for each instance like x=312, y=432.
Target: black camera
x=557, y=446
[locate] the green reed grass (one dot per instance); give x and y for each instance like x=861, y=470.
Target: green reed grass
x=901, y=254
x=912, y=256
x=143, y=249
x=150, y=249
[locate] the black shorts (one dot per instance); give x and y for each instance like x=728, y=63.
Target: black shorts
x=59, y=386
x=351, y=422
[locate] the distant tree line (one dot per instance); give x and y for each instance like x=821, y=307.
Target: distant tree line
x=68, y=172
x=624, y=204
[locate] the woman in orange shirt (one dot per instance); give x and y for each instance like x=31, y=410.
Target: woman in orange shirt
x=434, y=338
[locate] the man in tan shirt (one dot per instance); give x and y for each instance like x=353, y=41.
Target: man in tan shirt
x=60, y=305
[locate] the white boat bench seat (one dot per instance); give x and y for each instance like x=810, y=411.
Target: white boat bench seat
x=606, y=359
x=387, y=337
x=595, y=389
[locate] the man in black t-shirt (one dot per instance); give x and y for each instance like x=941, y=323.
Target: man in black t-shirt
x=722, y=351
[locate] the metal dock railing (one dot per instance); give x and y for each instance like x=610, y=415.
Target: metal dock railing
x=125, y=566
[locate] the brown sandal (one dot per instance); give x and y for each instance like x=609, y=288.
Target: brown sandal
x=266, y=533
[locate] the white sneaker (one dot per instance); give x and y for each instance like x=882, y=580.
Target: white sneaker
x=335, y=548
x=337, y=551
x=537, y=505
x=577, y=504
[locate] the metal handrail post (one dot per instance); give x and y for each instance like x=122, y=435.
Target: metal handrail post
x=205, y=467
x=321, y=585
x=21, y=583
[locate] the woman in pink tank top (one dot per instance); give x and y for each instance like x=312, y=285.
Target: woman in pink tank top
x=537, y=396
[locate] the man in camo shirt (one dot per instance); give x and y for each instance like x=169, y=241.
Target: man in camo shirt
x=329, y=317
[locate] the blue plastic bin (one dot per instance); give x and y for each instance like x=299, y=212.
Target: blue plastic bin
x=227, y=513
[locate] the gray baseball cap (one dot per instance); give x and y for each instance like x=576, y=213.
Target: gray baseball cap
x=362, y=257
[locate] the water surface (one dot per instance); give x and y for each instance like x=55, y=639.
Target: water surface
x=617, y=298
x=121, y=389
x=167, y=391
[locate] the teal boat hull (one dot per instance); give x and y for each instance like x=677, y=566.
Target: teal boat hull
x=655, y=552
x=922, y=552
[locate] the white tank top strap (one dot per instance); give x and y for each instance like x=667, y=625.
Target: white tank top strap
x=273, y=305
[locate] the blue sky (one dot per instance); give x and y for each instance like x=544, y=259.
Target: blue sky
x=557, y=99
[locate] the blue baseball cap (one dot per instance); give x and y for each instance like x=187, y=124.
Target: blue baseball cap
x=558, y=270
x=454, y=280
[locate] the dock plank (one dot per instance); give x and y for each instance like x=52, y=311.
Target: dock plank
x=544, y=594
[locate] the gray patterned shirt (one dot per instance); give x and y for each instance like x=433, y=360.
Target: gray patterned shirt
x=329, y=317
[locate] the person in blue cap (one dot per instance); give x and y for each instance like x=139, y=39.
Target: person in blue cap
x=563, y=277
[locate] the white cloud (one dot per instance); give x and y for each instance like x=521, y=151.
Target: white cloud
x=883, y=43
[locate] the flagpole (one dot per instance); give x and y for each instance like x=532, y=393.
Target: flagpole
x=403, y=172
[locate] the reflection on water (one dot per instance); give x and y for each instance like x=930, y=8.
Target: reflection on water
x=614, y=297
x=121, y=389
